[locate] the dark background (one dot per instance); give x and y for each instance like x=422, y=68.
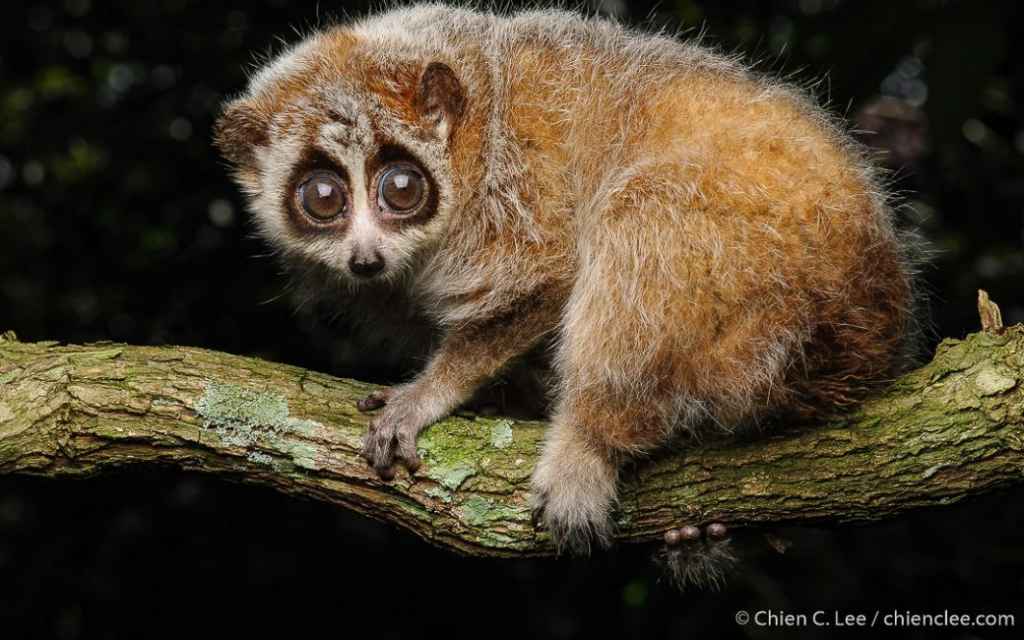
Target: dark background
x=118, y=221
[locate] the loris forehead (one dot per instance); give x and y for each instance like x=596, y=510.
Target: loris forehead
x=343, y=94
x=338, y=114
x=332, y=80
x=351, y=125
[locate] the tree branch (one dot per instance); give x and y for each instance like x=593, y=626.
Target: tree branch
x=944, y=432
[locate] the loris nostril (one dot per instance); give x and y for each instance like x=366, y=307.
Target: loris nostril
x=366, y=266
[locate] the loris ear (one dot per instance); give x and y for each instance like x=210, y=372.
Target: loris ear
x=241, y=128
x=441, y=98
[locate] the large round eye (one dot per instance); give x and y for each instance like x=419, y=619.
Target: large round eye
x=323, y=196
x=402, y=189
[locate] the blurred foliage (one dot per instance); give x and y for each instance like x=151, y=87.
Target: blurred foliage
x=118, y=222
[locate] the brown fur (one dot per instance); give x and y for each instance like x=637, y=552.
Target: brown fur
x=702, y=245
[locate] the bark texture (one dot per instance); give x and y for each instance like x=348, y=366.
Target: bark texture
x=938, y=435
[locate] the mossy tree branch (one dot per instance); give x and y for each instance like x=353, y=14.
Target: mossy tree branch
x=944, y=432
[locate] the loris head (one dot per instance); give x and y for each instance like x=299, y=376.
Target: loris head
x=344, y=147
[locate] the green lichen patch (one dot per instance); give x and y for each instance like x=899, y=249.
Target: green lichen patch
x=304, y=456
x=302, y=427
x=439, y=493
x=450, y=451
x=479, y=510
x=229, y=406
x=481, y=454
x=451, y=477
x=241, y=416
x=501, y=434
x=258, y=457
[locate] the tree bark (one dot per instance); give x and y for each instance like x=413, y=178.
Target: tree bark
x=947, y=431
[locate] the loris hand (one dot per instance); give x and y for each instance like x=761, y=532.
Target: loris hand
x=392, y=434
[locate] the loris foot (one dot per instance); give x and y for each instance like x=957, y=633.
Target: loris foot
x=696, y=558
x=690, y=533
x=375, y=400
x=573, y=492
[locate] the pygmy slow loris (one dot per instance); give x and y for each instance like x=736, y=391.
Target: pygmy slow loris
x=699, y=244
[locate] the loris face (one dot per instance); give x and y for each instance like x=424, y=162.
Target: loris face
x=344, y=156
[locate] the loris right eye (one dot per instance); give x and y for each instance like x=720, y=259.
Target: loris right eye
x=323, y=197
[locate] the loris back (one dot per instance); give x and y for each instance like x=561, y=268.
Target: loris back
x=701, y=245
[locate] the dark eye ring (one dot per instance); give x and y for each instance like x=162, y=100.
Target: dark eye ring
x=323, y=196
x=402, y=189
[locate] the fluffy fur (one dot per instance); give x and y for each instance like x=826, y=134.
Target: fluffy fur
x=699, y=565
x=700, y=244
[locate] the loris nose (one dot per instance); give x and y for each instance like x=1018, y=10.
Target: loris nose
x=366, y=265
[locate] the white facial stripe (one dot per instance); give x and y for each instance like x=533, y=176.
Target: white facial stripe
x=364, y=231
x=356, y=168
x=337, y=134
x=349, y=146
x=342, y=144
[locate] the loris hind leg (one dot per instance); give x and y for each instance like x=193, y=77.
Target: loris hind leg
x=574, y=486
x=615, y=395
x=660, y=333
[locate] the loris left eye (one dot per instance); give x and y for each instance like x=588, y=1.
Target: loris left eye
x=402, y=189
